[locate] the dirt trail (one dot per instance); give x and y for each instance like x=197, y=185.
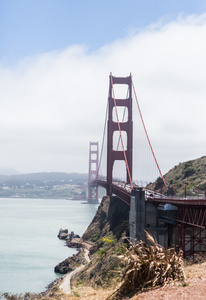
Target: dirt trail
x=195, y=288
x=66, y=284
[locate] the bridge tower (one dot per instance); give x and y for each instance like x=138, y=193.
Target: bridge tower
x=93, y=172
x=113, y=155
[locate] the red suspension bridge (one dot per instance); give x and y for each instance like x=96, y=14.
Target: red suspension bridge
x=172, y=220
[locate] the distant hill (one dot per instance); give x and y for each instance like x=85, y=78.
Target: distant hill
x=8, y=171
x=43, y=185
x=44, y=178
x=191, y=174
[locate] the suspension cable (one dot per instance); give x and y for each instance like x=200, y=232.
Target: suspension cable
x=120, y=132
x=148, y=136
x=104, y=131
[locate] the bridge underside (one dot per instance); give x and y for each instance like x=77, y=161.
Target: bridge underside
x=188, y=224
x=181, y=226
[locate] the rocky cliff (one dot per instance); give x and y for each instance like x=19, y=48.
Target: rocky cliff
x=112, y=216
x=103, y=236
x=107, y=233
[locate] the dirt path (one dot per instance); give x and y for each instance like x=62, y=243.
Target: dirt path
x=195, y=288
x=66, y=284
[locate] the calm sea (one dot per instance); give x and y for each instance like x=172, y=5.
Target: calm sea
x=29, y=247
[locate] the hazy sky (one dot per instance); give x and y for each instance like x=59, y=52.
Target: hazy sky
x=55, y=61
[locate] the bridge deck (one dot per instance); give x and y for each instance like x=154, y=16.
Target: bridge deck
x=123, y=191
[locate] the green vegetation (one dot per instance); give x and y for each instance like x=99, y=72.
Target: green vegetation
x=107, y=241
x=184, y=284
x=30, y=296
x=95, y=236
x=102, y=252
x=119, y=250
x=43, y=185
x=76, y=294
x=190, y=175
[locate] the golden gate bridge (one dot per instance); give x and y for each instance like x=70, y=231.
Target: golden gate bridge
x=177, y=221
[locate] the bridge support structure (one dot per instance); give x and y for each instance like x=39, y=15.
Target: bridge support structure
x=137, y=215
x=93, y=172
x=112, y=154
x=192, y=240
x=144, y=215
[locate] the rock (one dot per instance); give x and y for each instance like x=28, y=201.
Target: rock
x=62, y=236
x=69, y=264
x=63, y=233
x=63, y=267
x=74, y=243
x=76, y=236
x=112, y=216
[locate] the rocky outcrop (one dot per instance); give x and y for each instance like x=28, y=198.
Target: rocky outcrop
x=70, y=263
x=112, y=216
x=74, y=243
x=105, y=268
x=63, y=234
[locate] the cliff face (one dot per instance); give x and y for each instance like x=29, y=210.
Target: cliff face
x=110, y=223
x=70, y=263
x=111, y=216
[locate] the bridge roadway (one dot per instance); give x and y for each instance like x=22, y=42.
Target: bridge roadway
x=123, y=191
x=190, y=211
x=185, y=217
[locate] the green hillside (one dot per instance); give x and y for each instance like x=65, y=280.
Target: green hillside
x=191, y=174
x=43, y=185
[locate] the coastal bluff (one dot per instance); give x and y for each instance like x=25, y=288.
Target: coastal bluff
x=112, y=216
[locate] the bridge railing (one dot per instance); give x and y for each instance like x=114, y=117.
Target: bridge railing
x=179, y=201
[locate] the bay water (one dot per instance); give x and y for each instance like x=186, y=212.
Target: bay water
x=29, y=247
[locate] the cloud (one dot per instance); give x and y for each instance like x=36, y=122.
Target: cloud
x=52, y=105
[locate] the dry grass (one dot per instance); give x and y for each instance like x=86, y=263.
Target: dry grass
x=149, y=266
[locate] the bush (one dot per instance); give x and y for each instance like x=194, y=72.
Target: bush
x=159, y=183
x=102, y=252
x=189, y=171
x=95, y=236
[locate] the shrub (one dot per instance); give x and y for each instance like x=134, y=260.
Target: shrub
x=102, y=252
x=159, y=183
x=95, y=236
x=189, y=171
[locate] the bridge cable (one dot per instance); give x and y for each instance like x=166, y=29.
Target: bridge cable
x=120, y=132
x=103, y=138
x=148, y=136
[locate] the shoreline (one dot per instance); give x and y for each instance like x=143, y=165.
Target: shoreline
x=32, y=280
x=63, y=282
x=65, y=286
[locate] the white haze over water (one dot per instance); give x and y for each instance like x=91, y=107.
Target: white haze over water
x=53, y=104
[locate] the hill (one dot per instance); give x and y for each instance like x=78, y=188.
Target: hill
x=43, y=185
x=8, y=171
x=190, y=175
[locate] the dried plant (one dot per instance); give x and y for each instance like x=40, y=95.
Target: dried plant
x=149, y=265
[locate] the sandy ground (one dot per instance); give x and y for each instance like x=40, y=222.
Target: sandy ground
x=195, y=288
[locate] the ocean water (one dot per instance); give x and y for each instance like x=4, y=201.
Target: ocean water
x=29, y=247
